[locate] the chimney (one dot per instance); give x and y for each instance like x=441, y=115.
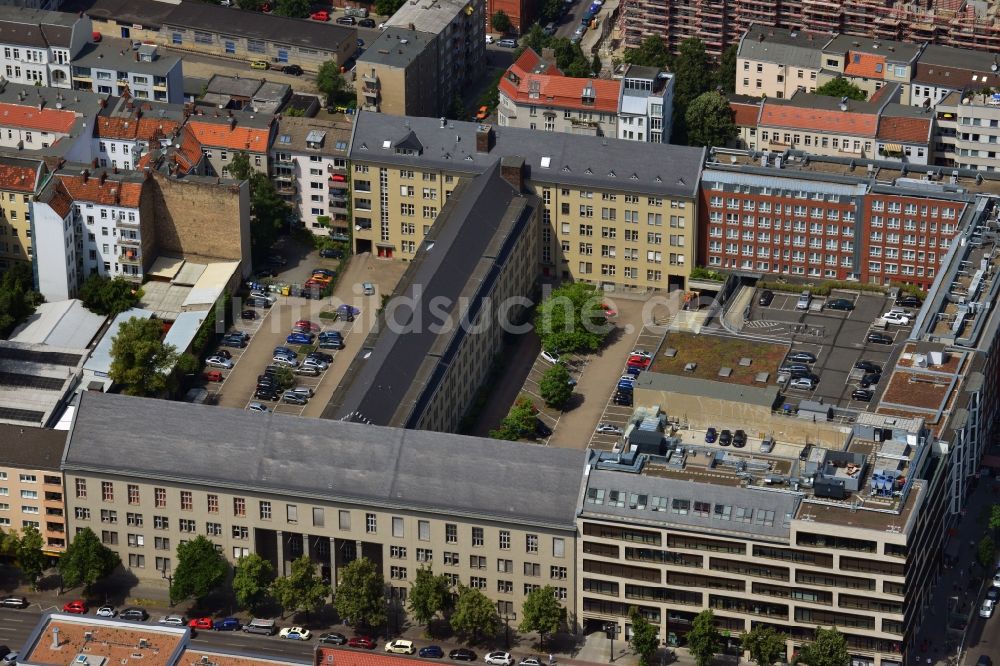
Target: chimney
x=55, y=638
x=41, y=104
x=512, y=170
x=232, y=124
x=484, y=138
x=444, y=122
x=85, y=175
x=549, y=54
x=104, y=177
x=93, y=163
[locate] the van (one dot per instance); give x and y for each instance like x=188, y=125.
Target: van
x=258, y=626
x=507, y=43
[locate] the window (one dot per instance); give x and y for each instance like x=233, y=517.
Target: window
x=397, y=573
x=136, y=561
x=163, y=563
x=81, y=489
x=558, y=573
x=108, y=516
x=477, y=583
x=344, y=519
x=397, y=527
x=371, y=523
x=241, y=532
x=451, y=533
x=319, y=519
x=133, y=519
x=531, y=543
x=265, y=510
x=213, y=504
x=424, y=530
x=558, y=547
x=505, y=566
x=504, y=539
x=292, y=513
x=107, y=491
x=477, y=536
x=161, y=543
x=186, y=525
x=397, y=552
x=186, y=502
x=109, y=537
x=28, y=478
x=239, y=507
x=160, y=497
x=82, y=513
x=135, y=541
x=425, y=555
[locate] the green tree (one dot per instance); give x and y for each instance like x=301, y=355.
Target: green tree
x=644, y=640
x=475, y=614
x=429, y=595
x=109, y=296
x=30, y=558
x=292, y=8
x=269, y=213
x=596, y=65
x=387, y=7
x=360, y=594
x=250, y=5
x=704, y=640
x=187, y=364
x=765, y=645
x=535, y=39
x=652, y=52
x=18, y=299
x=285, y=377
x=239, y=167
x=570, y=58
x=519, y=422
x=709, y=121
x=550, y=11
x=200, y=569
x=994, y=523
x=86, y=561
x=725, y=74
x=303, y=590
x=330, y=81
x=841, y=87
x=571, y=319
x=692, y=73
x=985, y=551
x=555, y=387
x=501, y=22
x=541, y=612
x=829, y=649
x=139, y=359
x=251, y=581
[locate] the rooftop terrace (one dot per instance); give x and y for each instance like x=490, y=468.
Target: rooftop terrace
x=718, y=358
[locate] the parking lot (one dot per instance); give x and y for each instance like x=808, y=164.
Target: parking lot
x=837, y=338
x=547, y=415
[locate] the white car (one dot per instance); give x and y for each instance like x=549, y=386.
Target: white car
x=627, y=378
x=295, y=633
x=489, y=39
x=499, y=659
x=219, y=362
x=257, y=407
x=257, y=293
x=173, y=620
x=609, y=429
x=315, y=363
x=986, y=610
x=106, y=611
x=996, y=578
x=896, y=318
x=285, y=361
x=551, y=357
x=802, y=383
x=641, y=352
x=400, y=646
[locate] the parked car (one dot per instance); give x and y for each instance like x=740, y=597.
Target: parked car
x=368, y=288
x=173, y=620
x=641, y=353
x=366, y=23
x=290, y=398
x=839, y=304
x=550, y=356
x=431, y=652
x=294, y=70
x=257, y=293
x=879, y=338
x=257, y=407
x=986, y=610
x=331, y=343
x=765, y=298
x=321, y=15
x=14, y=602
x=868, y=366
x=805, y=298
x=483, y=113
x=801, y=357
x=285, y=351
x=984, y=660
x=285, y=361
x=325, y=271
x=400, y=646
x=862, y=395
x=530, y=661
x=499, y=659
x=201, y=623
x=870, y=379
x=315, y=363
x=908, y=301
x=77, y=607
x=739, y=439
x=295, y=634
x=346, y=20
x=347, y=311
x=804, y=383
x=320, y=356
x=233, y=341
x=227, y=624
x=711, y=435
x=794, y=369
x=135, y=614
x=507, y=43
x=260, y=64
x=609, y=429
x=896, y=318
x=996, y=578
x=541, y=430
x=248, y=315
x=308, y=326
x=361, y=642
x=623, y=399
x=725, y=438
x=300, y=339
x=333, y=638
x=329, y=252
x=107, y=611
x=462, y=654
x=219, y=362
x=308, y=371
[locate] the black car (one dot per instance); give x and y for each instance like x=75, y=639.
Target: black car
x=879, y=338
x=294, y=70
x=320, y=356
x=256, y=302
x=366, y=23
x=739, y=439
x=839, y=304
x=624, y=399
x=462, y=654
x=224, y=353
x=984, y=660
x=329, y=252
x=793, y=368
x=248, y=314
x=868, y=366
x=267, y=394
x=766, y=297
x=14, y=602
x=870, y=379
x=541, y=429
x=333, y=638
x=725, y=438
x=862, y=394
x=233, y=342
x=134, y=613
x=908, y=301
x=347, y=20
x=801, y=357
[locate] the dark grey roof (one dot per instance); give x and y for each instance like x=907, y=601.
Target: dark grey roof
x=147, y=13
x=30, y=447
x=234, y=86
x=779, y=45
x=901, y=52
x=395, y=47
x=328, y=461
x=106, y=55
x=586, y=161
x=642, y=72
x=950, y=56
x=763, y=396
x=257, y=25
x=388, y=386
x=36, y=28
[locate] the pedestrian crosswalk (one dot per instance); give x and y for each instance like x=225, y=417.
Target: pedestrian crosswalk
x=762, y=324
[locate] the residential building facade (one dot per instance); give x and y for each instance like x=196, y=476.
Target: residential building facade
x=225, y=135
x=870, y=64
x=968, y=129
x=645, y=107
x=145, y=73
x=778, y=62
x=20, y=179
x=942, y=70
x=38, y=46
x=31, y=484
x=129, y=128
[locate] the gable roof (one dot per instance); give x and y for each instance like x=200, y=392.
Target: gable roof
x=523, y=83
x=864, y=65
x=112, y=192
x=19, y=175
x=905, y=130
x=745, y=114
x=32, y=118
x=36, y=28
x=794, y=48
x=858, y=122
x=134, y=129
x=229, y=134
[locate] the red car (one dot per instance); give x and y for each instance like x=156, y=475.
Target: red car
x=307, y=326
x=321, y=15
x=201, y=623
x=78, y=607
x=639, y=361
x=361, y=642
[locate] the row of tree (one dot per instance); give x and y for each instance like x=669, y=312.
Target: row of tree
x=18, y=298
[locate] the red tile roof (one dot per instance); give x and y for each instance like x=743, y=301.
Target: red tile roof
x=109, y=193
x=865, y=66
x=745, y=115
x=554, y=89
x=189, y=153
x=132, y=129
x=60, y=201
x=818, y=120
x=905, y=130
x=230, y=135
x=18, y=178
x=30, y=117
x=531, y=62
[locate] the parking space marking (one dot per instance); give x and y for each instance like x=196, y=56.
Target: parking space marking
x=237, y=353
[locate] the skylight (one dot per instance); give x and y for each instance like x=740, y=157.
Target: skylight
x=387, y=144
x=285, y=138
x=546, y=162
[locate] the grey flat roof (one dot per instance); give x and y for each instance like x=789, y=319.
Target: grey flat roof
x=329, y=461
x=31, y=447
x=788, y=47
x=396, y=47
x=256, y=25
x=893, y=51
x=586, y=161
x=60, y=324
x=107, y=56
x=427, y=15
x=950, y=56
x=234, y=86
x=763, y=396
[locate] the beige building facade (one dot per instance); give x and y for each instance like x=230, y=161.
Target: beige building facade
x=19, y=180
x=31, y=485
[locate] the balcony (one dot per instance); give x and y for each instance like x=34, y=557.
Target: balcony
x=132, y=242
x=129, y=257
x=370, y=93
x=370, y=79
x=339, y=184
x=370, y=107
x=286, y=189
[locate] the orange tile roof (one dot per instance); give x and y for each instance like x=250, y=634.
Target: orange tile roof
x=18, y=178
x=132, y=129
x=189, y=153
x=109, y=193
x=745, y=115
x=865, y=66
x=905, y=130
x=818, y=120
x=228, y=135
x=30, y=117
x=116, y=642
x=529, y=62
x=554, y=89
x=60, y=201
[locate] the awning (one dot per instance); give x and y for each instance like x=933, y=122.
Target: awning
x=892, y=147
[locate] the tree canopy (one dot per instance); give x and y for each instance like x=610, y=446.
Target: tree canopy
x=302, y=590
x=30, y=558
x=18, y=299
x=387, y=7
x=269, y=213
x=725, y=73
x=549, y=11
x=704, y=639
x=652, y=52
x=251, y=581
x=519, y=422
x=292, y=8
x=109, y=296
x=86, y=560
x=644, y=640
x=829, y=649
x=330, y=81
x=841, y=87
x=360, y=595
x=239, y=167
x=985, y=551
x=709, y=121
x=555, y=388
x=501, y=22
x=572, y=319
x=200, y=569
x=765, y=645
x=475, y=614
x=541, y=612
x=140, y=362
x=429, y=595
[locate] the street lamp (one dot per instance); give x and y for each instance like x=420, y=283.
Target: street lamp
x=170, y=581
x=612, y=629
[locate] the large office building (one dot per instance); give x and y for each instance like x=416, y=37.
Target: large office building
x=619, y=214
x=329, y=489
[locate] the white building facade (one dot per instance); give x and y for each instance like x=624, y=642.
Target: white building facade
x=645, y=105
x=38, y=46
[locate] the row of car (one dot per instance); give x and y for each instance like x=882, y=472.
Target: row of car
x=726, y=437
x=992, y=596
x=638, y=360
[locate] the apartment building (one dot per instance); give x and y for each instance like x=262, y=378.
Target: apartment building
x=126, y=129
x=534, y=94
x=144, y=73
x=223, y=135
x=870, y=64
x=31, y=484
x=422, y=366
x=428, y=53
x=19, y=180
x=38, y=46
x=646, y=105
x=778, y=62
x=619, y=214
x=309, y=170
x=47, y=120
x=968, y=131
x=322, y=488
x=942, y=70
